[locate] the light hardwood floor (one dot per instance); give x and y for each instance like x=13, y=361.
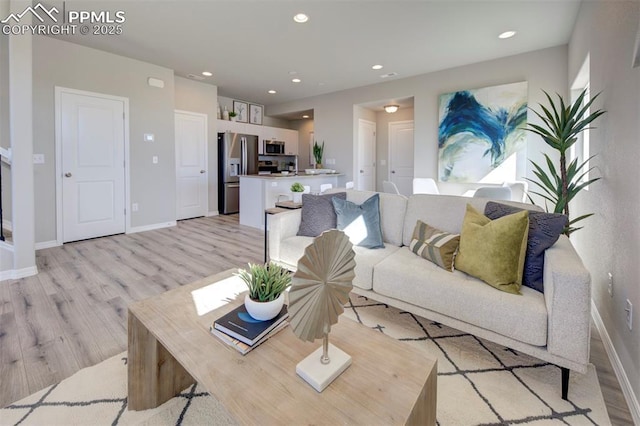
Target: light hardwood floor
x=73, y=314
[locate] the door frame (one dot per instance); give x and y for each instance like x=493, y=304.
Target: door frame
x=206, y=154
x=389, y=145
x=58, y=145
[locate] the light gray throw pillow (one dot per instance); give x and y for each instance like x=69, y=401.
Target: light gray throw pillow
x=318, y=214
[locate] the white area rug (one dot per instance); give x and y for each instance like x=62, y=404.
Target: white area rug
x=479, y=383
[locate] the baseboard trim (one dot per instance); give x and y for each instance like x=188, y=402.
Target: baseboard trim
x=144, y=228
x=213, y=213
x=6, y=224
x=623, y=379
x=15, y=274
x=47, y=244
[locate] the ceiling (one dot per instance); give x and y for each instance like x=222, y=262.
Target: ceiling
x=254, y=46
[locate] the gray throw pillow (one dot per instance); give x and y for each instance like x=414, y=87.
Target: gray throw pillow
x=544, y=231
x=361, y=222
x=318, y=214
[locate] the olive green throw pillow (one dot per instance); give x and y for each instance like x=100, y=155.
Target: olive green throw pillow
x=494, y=250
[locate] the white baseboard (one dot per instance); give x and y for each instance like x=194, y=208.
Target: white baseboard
x=623, y=379
x=6, y=224
x=47, y=244
x=213, y=213
x=144, y=228
x=14, y=274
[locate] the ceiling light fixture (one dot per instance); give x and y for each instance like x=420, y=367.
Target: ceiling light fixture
x=507, y=34
x=296, y=80
x=207, y=73
x=305, y=116
x=272, y=92
x=391, y=108
x=301, y=18
x=377, y=67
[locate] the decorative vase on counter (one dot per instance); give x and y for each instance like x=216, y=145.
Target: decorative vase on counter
x=225, y=114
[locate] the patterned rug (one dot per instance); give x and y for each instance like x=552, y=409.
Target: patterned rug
x=479, y=383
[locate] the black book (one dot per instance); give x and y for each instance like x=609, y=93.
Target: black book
x=239, y=324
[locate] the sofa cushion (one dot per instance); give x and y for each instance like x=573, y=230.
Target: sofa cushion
x=361, y=222
x=494, y=250
x=392, y=211
x=434, y=245
x=405, y=276
x=544, y=230
x=318, y=214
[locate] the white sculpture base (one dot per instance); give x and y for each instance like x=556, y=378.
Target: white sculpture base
x=319, y=375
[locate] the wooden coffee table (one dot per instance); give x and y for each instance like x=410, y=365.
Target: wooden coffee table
x=170, y=347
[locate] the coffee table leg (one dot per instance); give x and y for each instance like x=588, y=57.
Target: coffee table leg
x=154, y=376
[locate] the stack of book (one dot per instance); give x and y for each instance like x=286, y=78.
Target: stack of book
x=242, y=332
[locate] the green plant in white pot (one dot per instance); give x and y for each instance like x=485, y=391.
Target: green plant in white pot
x=562, y=125
x=266, y=284
x=318, y=151
x=297, y=189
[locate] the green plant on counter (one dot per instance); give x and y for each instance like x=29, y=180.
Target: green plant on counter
x=265, y=282
x=562, y=125
x=318, y=150
x=297, y=187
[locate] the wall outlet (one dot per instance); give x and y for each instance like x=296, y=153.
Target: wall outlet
x=38, y=158
x=628, y=308
x=610, y=285
x=154, y=159
x=134, y=207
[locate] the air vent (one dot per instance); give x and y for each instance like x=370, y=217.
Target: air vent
x=389, y=74
x=195, y=77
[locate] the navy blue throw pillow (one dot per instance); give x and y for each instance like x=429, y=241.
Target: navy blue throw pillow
x=361, y=222
x=544, y=231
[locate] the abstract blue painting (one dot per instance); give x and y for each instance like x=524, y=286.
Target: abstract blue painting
x=479, y=131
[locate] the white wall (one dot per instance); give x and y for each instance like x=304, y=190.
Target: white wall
x=334, y=113
x=199, y=97
x=152, y=186
x=5, y=142
x=610, y=241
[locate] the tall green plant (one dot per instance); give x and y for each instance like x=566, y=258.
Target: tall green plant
x=562, y=125
x=318, y=150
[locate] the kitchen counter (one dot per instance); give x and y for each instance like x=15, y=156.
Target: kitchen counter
x=261, y=192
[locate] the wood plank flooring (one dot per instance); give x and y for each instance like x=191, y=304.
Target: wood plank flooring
x=73, y=314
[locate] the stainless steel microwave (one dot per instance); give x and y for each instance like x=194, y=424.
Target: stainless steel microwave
x=273, y=147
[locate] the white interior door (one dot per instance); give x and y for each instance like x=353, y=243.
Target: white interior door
x=401, y=155
x=92, y=165
x=366, y=166
x=191, y=164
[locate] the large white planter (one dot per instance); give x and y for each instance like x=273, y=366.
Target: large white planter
x=297, y=197
x=263, y=311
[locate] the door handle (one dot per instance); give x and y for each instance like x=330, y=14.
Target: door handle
x=393, y=171
x=233, y=185
x=202, y=171
x=361, y=171
x=68, y=174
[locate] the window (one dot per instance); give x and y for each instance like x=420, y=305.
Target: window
x=581, y=149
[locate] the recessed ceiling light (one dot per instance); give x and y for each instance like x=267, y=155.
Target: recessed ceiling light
x=207, y=73
x=271, y=91
x=296, y=80
x=507, y=34
x=377, y=67
x=301, y=18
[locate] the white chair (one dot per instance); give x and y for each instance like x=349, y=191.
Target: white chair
x=494, y=192
x=325, y=187
x=425, y=186
x=519, y=190
x=389, y=187
x=307, y=189
x=349, y=185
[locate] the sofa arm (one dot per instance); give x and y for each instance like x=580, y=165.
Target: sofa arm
x=281, y=226
x=567, y=293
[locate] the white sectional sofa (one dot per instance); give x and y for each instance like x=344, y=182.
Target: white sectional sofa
x=553, y=326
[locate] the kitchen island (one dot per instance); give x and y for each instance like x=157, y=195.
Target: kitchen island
x=260, y=192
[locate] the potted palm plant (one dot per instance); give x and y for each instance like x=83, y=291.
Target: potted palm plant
x=318, y=150
x=562, y=125
x=266, y=284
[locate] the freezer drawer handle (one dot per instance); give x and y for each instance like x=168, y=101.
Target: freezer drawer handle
x=233, y=185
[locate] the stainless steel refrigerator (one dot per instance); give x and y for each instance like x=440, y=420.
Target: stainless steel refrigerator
x=237, y=155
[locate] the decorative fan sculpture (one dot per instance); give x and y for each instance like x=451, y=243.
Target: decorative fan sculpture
x=319, y=289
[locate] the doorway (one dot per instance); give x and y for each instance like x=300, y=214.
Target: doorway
x=91, y=164
x=366, y=164
x=191, y=164
x=401, y=155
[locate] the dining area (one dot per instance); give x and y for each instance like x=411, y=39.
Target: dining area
x=508, y=191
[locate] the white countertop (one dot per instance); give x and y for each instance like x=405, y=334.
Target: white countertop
x=292, y=176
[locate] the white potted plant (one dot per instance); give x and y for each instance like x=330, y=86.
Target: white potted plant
x=297, y=189
x=266, y=284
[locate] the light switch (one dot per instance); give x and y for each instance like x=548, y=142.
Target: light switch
x=383, y=162
x=38, y=158
x=155, y=159
x=149, y=137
